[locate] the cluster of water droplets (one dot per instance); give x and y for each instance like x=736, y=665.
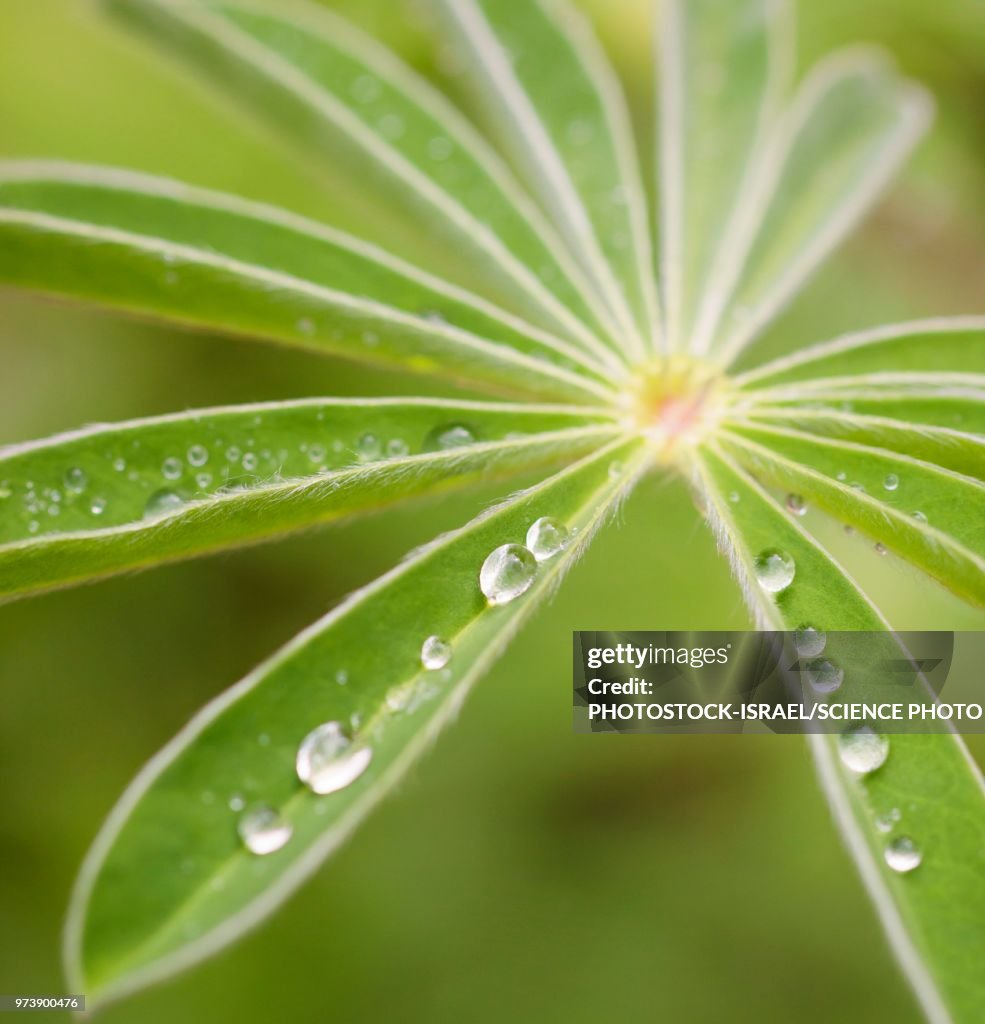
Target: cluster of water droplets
x=134, y=478
x=510, y=570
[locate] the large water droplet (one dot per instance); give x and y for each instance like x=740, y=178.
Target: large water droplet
x=903, y=855
x=863, y=750
x=161, y=502
x=546, y=537
x=775, y=570
x=824, y=675
x=507, y=573
x=809, y=641
x=328, y=760
x=263, y=830
x=435, y=653
x=75, y=480
x=449, y=435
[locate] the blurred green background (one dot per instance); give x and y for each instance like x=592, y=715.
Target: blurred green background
x=521, y=873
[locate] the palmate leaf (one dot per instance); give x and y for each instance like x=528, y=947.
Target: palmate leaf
x=152, y=896
x=559, y=304
x=110, y=499
x=928, y=790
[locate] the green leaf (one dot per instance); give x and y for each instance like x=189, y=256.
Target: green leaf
x=831, y=155
x=158, y=248
x=913, y=355
x=555, y=104
x=924, y=513
x=725, y=69
x=109, y=499
x=345, y=97
x=168, y=881
x=933, y=916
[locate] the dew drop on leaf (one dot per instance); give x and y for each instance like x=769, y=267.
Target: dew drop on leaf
x=328, y=760
x=161, y=502
x=249, y=462
x=198, y=455
x=809, y=641
x=824, y=675
x=885, y=822
x=76, y=480
x=919, y=517
x=507, y=573
x=774, y=570
x=397, y=447
x=449, y=435
x=263, y=830
x=862, y=750
x=881, y=548
x=435, y=653
x=546, y=537
x=891, y=482
x=369, y=447
x=796, y=504
x=97, y=506
x=172, y=468
x=903, y=855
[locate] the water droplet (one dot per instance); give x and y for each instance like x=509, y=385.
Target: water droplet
x=263, y=830
x=119, y=465
x=796, y=505
x=33, y=526
x=615, y=470
x=449, y=435
x=162, y=502
x=328, y=760
x=824, y=675
x=891, y=482
x=396, y=448
x=369, y=447
x=849, y=530
x=249, y=462
x=881, y=548
x=204, y=480
x=172, y=468
x=435, y=653
x=306, y=326
x=885, y=822
x=507, y=573
x=75, y=480
x=919, y=517
x=233, y=453
x=342, y=677
x=734, y=497
x=903, y=855
x=546, y=537
x=809, y=641
x=774, y=570
x=236, y=802
x=371, y=339
x=863, y=750
x=97, y=506
x=198, y=455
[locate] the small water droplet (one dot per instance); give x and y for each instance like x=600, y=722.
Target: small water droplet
x=546, y=537
x=119, y=465
x=236, y=802
x=774, y=570
x=919, y=517
x=507, y=573
x=809, y=641
x=263, y=830
x=449, y=435
x=824, y=675
x=891, y=482
x=796, y=505
x=162, y=502
x=903, y=855
x=615, y=470
x=233, y=453
x=734, y=497
x=369, y=447
x=198, y=455
x=881, y=548
x=885, y=822
x=249, y=462
x=204, y=480
x=76, y=480
x=863, y=750
x=397, y=447
x=849, y=530
x=306, y=326
x=328, y=760
x=435, y=653
x=172, y=468
x=97, y=506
